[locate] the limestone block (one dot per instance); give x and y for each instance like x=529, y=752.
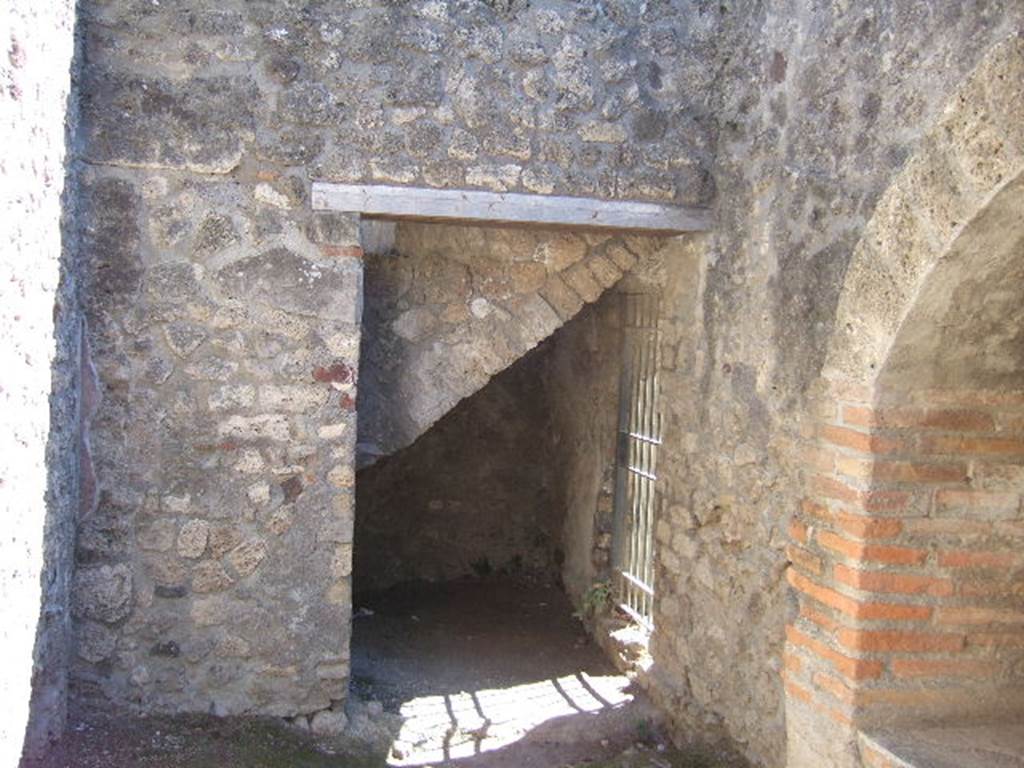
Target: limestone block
x=222, y=538
x=294, y=398
x=621, y=256
x=603, y=132
x=331, y=431
x=268, y=194
x=341, y=561
x=280, y=521
x=174, y=283
x=216, y=233
x=232, y=396
x=528, y=277
x=258, y=493
x=339, y=593
x=603, y=270
x=212, y=369
x=210, y=576
x=200, y=125
x=579, y=278
x=328, y=723
x=335, y=671
x=561, y=297
x=561, y=252
x=499, y=178
x=158, y=536
x=103, y=593
x=246, y=557
x=270, y=427
x=283, y=279
x=192, y=538
x=342, y=476
x=96, y=642
x=539, y=180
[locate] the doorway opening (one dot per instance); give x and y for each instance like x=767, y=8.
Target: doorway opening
x=481, y=545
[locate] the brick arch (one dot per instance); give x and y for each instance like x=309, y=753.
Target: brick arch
x=900, y=563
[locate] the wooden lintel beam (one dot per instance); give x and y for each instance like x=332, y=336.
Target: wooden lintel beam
x=419, y=203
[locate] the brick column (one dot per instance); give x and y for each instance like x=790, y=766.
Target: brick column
x=903, y=556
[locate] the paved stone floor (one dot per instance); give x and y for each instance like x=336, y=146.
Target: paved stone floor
x=990, y=745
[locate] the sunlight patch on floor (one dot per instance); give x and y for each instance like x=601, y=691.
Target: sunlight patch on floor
x=452, y=726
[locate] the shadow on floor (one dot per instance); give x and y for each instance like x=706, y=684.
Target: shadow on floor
x=492, y=672
x=476, y=674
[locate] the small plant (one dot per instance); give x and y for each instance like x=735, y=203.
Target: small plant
x=644, y=731
x=596, y=600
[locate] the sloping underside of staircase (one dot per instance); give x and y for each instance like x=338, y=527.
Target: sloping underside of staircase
x=452, y=305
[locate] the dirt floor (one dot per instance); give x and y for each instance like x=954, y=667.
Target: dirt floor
x=477, y=673
x=493, y=673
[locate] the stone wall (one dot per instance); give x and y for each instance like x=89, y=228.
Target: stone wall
x=581, y=396
x=223, y=319
x=204, y=128
x=518, y=477
x=469, y=497
x=905, y=551
x=818, y=105
x=552, y=97
x=223, y=439
x=453, y=305
x=39, y=343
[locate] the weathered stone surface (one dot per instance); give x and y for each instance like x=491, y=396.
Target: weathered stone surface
x=42, y=358
x=202, y=125
x=269, y=427
x=169, y=573
x=342, y=476
x=246, y=557
x=206, y=293
x=216, y=233
x=159, y=536
x=111, y=243
x=210, y=576
x=232, y=397
x=561, y=297
x=295, y=398
x=96, y=642
x=103, y=593
x=582, y=282
x=283, y=279
x=459, y=305
x=328, y=723
x=192, y=538
x=223, y=538
x=183, y=338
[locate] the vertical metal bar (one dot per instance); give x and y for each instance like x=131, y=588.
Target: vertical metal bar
x=634, y=456
x=638, y=464
x=638, y=429
x=619, y=531
x=639, y=436
x=657, y=430
x=649, y=447
x=653, y=435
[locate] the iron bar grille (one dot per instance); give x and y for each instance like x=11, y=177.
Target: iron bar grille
x=636, y=465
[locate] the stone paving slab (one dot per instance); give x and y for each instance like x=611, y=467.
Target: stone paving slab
x=996, y=745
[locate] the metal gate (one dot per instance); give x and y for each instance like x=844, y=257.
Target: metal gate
x=636, y=471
